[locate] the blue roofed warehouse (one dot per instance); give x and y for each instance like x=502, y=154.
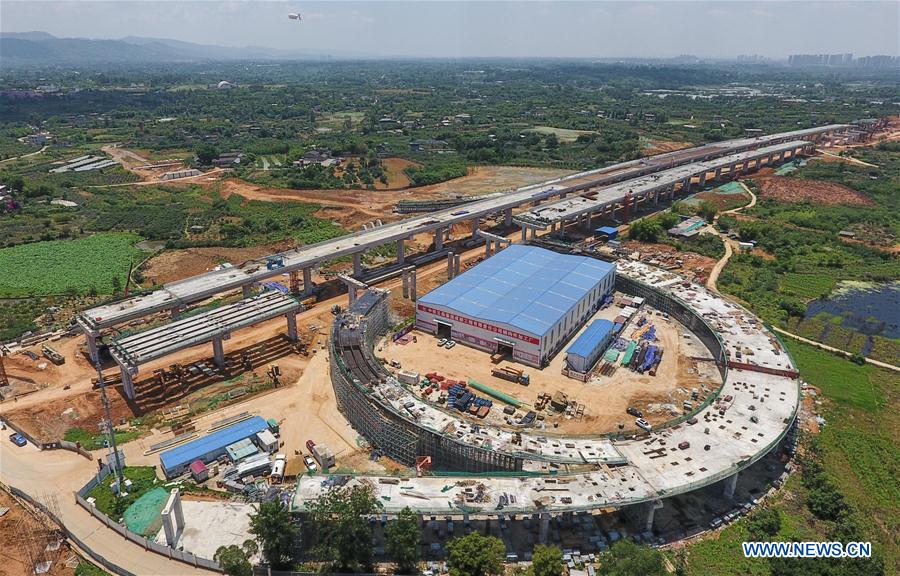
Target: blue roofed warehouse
x=584, y=352
x=209, y=447
x=524, y=300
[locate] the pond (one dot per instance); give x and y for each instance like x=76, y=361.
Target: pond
x=870, y=309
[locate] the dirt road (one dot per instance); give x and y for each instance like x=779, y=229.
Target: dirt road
x=61, y=473
x=41, y=151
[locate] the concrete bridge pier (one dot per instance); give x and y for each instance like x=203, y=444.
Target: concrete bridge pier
x=652, y=507
x=451, y=258
x=291, y=318
x=176, y=310
x=439, y=239
x=401, y=251
x=686, y=185
x=218, y=352
x=245, y=290
x=91, y=339
x=475, y=223
x=545, y=528
x=128, y=381
x=307, y=282
x=730, y=485
x=357, y=264
x=507, y=217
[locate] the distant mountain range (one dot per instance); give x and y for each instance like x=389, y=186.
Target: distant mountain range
x=44, y=48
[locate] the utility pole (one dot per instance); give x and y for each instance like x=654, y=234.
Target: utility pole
x=110, y=429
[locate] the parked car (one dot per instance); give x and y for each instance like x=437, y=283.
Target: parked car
x=450, y=344
x=17, y=439
x=442, y=341
x=634, y=412
x=641, y=423
x=310, y=463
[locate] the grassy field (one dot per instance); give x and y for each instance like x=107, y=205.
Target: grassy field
x=860, y=456
x=64, y=266
x=92, y=441
x=564, y=135
x=143, y=479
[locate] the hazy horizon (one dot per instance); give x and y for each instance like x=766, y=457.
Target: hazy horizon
x=436, y=29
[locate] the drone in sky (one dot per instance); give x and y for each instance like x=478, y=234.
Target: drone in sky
x=295, y=17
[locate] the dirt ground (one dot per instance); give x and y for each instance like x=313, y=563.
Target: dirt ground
x=693, y=265
x=791, y=190
x=605, y=397
x=723, y=201
x=132, y=161
x=394, y=170
x=174, y=265
x=379, y=203
x=16, y=525
x=662, y=146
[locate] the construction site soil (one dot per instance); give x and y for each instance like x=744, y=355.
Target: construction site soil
x=794, y=190
x=666, y=256
x=174, y=265
x=23, y=537
x=605, y=397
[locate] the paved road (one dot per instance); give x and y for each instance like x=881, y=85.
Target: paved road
x=61, y=473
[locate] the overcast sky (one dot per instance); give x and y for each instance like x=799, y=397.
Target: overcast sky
x=482, y=28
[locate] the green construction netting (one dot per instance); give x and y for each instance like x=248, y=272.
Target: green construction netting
x=143, y=517
x=730, y=188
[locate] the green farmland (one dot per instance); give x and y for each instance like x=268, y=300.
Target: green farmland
x=81, y=266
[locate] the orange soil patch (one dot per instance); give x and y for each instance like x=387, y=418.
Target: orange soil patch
x=48, y=421
x=665, y=255
x=394, y=170
x=662, y=146
x=724, y=201
x=793, y=190
x=177, y=264
x=15, y=544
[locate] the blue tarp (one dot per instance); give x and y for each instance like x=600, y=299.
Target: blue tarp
x=526, y=287
x=593, y=336
x=608, y=231
x=201, y=448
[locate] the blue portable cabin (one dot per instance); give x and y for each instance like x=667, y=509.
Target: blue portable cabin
x=208, y=448
x=584, y=352
x=606, y=232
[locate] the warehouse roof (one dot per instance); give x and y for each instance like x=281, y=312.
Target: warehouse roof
x=593, y=335
x=523, y=286
x=218, y=440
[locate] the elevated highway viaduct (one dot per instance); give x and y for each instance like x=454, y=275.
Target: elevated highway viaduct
x=176, y=295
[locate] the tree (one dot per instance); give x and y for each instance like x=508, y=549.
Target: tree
x=708, y=211
x=206, y=153
x=235, y=560
x=475, y=555
x=626, y=558
x=275, y=532
x=401, y=540
x=343, y=535
x=764, y=523
x=547, y=561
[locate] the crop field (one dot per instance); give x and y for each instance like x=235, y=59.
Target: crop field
x=67, y=266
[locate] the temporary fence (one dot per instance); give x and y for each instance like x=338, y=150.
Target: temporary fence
x=79, y=543
x=145, y=543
